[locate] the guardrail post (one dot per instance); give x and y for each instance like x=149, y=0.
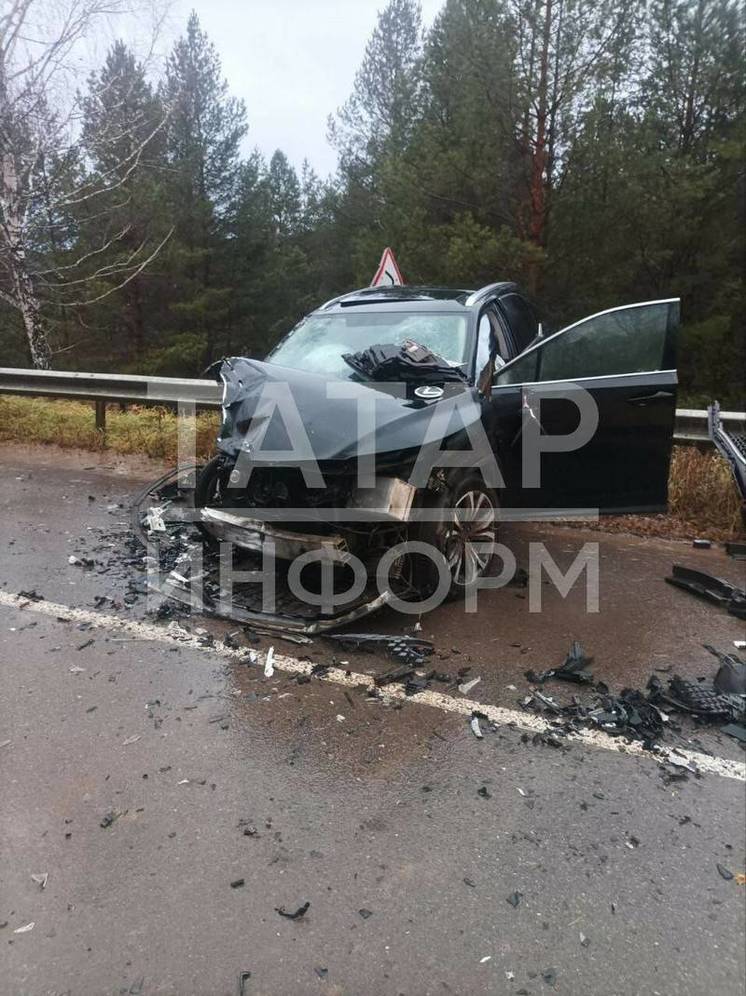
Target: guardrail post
x=101, y=416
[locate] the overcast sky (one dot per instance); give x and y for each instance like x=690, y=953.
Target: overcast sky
x=292, y=61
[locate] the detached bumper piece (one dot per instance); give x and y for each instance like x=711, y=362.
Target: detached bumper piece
x=732, y=447
x=712, y=589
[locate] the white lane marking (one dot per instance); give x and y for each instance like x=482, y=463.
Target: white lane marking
x=174, y=635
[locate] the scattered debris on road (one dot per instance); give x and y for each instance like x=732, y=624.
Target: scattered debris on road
x=574, y=669
x=111, y=817
x=296, y=915
x=466, y=686
x=476, y=729
x=644, y=716
x=269, y=667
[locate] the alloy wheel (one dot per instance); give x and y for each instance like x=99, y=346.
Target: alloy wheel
x=472, y=525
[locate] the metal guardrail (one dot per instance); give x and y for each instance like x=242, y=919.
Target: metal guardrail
x=132, y=389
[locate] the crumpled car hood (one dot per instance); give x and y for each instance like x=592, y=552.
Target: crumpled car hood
x=264, y=401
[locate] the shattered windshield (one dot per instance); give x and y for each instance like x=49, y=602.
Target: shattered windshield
x=317, y=344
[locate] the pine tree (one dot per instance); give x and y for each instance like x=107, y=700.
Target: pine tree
x=121, y=114
x=203, y=138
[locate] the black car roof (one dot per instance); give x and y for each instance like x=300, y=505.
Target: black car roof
x=409, y=297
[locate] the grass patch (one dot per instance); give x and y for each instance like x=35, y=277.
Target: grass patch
x=703, y=499
x=142, y=431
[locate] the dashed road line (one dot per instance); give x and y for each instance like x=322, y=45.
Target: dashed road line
x=175, y=635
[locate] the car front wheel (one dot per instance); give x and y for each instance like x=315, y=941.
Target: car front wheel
x=464, y=527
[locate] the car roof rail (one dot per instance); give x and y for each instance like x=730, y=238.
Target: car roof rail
x=487, y=291
x=339, y=297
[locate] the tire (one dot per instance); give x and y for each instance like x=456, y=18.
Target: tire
x=470, y=515
x=208, y=486
x=208, y=482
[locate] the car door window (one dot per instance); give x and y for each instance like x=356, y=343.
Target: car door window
x=521, y=319
x=483, y=344
x=620, y=341
x=520, y=371
x=490, y=328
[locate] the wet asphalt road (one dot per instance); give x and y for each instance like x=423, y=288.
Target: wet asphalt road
x=379, y=811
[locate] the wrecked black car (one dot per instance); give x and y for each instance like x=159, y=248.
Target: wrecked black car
x=425, y=415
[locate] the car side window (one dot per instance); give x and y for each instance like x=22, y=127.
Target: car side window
x=521, y=319
x=520, y=371
x=483, y=344
x=626, y=340
x=490, y=329
x=620, y=341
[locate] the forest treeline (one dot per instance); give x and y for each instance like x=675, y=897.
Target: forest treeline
x=591, y=150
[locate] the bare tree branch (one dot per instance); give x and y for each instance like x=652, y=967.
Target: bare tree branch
x=113, y=290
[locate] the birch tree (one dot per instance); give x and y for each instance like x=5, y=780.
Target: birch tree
x=47, y=188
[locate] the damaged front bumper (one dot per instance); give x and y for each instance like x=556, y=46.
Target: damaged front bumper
x=253, y=534
x=167, y=523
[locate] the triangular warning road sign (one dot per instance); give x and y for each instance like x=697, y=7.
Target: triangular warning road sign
x=388, y=273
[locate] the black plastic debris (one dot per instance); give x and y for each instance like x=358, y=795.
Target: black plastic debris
x=321, y=972
x=365, y=913
x=731, y=676
x=408, y=650
x=243, y=978
x=397, y=674
x=109, y=818
x=735, y=730
x=418, y=683
x=712, y=589
x=548, y=738
x=629, y=714
x=696, y=698
x=296, y=915
x=484, y=792
x=32, y=596
x=238, y=883
x=514, y=899
x=574, y=669
x=725, y=873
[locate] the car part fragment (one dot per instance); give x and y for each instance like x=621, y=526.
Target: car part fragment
x=731, y=446
x=713, y=589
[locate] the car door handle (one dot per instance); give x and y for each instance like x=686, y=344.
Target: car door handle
x=650, y=399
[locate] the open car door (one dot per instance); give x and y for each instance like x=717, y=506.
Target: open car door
x=625, y=360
